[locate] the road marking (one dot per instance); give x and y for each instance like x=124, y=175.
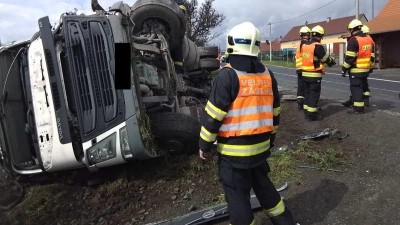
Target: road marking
x=369, y=78
x=289, y=75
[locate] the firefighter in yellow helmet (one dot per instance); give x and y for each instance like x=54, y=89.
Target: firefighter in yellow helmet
x=305, y=34
x=313, y=58
x=358, y=62
x=242, y=115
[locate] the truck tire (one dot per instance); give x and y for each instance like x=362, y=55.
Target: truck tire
x=175, y=132
x=208, y=52
x=167, y=10
x=210, y=64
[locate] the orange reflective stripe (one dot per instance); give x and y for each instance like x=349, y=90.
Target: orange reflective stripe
x=242, y=132
x=244, y=118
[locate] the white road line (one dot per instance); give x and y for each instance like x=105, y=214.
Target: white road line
x=369, y=78
x=327, y=81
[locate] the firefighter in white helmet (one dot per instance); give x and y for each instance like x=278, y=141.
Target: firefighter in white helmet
x=305, y=34
x=242, y=115
x=358, y=62
x=313, y=58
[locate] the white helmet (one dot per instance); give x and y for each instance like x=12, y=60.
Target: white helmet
x=243, y=39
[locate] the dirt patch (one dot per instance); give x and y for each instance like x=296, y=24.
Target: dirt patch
x=337, y=176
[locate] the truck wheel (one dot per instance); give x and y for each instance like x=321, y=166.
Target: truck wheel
x=167, y=10
x=175, y=132
x=209, y=64
x=208, y=52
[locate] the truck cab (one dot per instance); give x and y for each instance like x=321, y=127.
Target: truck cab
x=60, y=106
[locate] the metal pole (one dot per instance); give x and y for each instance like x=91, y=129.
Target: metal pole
x=270, y=42
x=358, y=8
x=372, y=10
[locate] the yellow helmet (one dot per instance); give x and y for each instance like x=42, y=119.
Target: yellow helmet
x=305, y=30
x=318, y=30
x=354, y=23
x=365, y=29
x=243, y=39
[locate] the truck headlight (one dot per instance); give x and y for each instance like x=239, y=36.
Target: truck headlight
x=102, y=151
x=125, y=148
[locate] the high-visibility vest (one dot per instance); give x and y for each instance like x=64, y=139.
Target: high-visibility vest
x=308, y=58
x=252, y=110
x=363, y=62
x=299, y=60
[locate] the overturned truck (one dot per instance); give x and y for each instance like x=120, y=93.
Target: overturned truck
x=61, y=106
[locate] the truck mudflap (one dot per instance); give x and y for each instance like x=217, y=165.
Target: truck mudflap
x=210, y=214
x=55, y=80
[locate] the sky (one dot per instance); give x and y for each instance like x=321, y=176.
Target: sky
x=19, y=18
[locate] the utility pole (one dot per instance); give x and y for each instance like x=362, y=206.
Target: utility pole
x=358, y=8
x=372, y=9
x=270, y=41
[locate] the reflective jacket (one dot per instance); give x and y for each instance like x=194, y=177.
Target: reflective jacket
x=250, y=113
x=360, y=54
x=298, y=58
x=308, y=61
x=363, y=62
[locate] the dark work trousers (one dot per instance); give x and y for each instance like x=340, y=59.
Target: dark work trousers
x=312, y=92
x=237, y=184
x=365, y=87
x=300, y=89
x=358, y=83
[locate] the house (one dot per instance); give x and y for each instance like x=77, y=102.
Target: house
x=265, y=48
x=385, y=30
x=335, y=30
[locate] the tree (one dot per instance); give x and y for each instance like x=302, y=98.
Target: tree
x=201, y=20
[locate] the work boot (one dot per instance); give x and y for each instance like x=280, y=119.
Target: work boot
x=313, y=116
x=286, y=218
x=300, y=104
x=348, y=103
x=366, y=101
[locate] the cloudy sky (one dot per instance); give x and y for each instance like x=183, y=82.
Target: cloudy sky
x=18, y=18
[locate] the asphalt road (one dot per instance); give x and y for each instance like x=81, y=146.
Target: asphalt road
x=384, y=86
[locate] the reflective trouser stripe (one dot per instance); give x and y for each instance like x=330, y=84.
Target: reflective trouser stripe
x=277, y=210
x=367, y=93
x=277, y=111
x=300, y=96
x=359, y=104
x=311, y=74
x=305, y=106
x=311, y=109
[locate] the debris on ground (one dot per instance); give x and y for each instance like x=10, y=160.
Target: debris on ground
x=289, y=98
x=335, y=133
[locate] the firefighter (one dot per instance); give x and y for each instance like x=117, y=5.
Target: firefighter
x=313, y=58
x=305, y=34
x=242, y=115
x=359, y=60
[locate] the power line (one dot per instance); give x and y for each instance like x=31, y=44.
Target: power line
x=305, y=13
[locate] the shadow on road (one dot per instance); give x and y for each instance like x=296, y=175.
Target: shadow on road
x=313, y=206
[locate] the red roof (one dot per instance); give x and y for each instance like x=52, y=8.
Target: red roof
x=388, y=18
x=276, y=46
x=331, y=27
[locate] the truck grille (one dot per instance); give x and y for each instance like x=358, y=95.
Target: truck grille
x=89, y=48
x=106, y=80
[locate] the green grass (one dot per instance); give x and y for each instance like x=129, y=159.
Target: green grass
x=279, y=63
x=312, y=154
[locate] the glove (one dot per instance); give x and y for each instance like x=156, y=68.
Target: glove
x=343, y=73
x=331, y=62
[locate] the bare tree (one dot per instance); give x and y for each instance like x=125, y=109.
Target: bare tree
x=201, y=20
